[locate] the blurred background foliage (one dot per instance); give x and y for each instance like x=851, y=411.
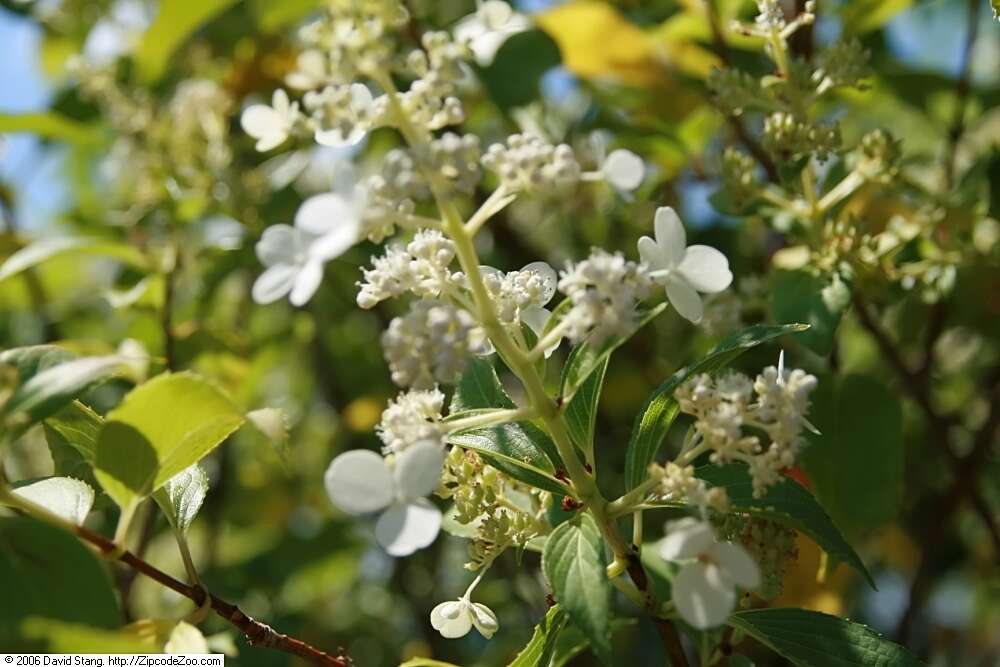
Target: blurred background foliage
x=634, y=71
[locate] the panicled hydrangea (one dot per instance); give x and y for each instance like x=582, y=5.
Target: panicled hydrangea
x=412, y=417
x=775, y=404
x=503, y=512
x=678, y=483
x=420, y=268
x=515, y=292
x=271, y=125
x=789, y=136
x=362, y=482
x=341, y=115
x=528, y=163
x=604, y=290
x=703, y=590
x=684, y=271
x=431, y=344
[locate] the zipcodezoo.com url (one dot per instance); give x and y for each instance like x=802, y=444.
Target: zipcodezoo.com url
x=113, y=660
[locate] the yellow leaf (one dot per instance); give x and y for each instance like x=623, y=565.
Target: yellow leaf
x=597, y=42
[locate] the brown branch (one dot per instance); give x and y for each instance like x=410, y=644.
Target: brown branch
x=257, y=633
x=801, y=43
x=668, y=633
x=751, y=144
x=962, y=90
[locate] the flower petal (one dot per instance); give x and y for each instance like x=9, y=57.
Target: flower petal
x=276, y=245
x=418, y=469
x=686, y=538
x=484, y=619
x=706, y=269
x=537, y=318
x=336, y=242
x=321, y=213
x=274, y=283
x=361, y=97
x=654, y=256
x=684, y=298
x=548, y=276
x=623, y=169
x=494, y=14
x=737, y=564
x=337, y=139
x=306, y=282
x=359, y=481
x=260, y=120
x=703, y=599
x=670, y=234
x=452, y=619
x=402, y=529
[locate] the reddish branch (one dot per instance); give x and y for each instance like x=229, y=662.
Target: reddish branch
x=257, y=633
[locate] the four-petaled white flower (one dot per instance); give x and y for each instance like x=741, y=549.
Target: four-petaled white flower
x=487, y=29
x=270, y=125
x=703, y=589
x=623, y=169
x=683, y=270
x=454, y=618
x=326, y=226
x=361, y=482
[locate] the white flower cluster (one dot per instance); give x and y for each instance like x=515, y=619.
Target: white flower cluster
x=412, y=417
x=529, y=163
x=516, y=292
x=775, y=403
x=431, y=344
x=679, y=483
x=604, y=289
x=703, y=590
x=420, y=268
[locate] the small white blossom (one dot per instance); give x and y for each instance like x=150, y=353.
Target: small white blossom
x=703, y=589
x=486, y=30
x=421, y=268
x=342, y=114
x=455, y=618
x=412, y=417
x=271, y=125
x=312, y=70
x=529, y=163
x=683, y=270
x=533, y=285
x=361, y=482
x=623, y=169
x=431, y=344
x=604, y=289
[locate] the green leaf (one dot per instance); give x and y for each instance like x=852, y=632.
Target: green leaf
x=181, y=497
x=54, y=387
x=813, y=639
x=33, y=359
x=656, y=416
x=61, y=637
x=540, y=648
x=176, y=21
x=426, y=662
x=47, y=125
x=789, y=504
x=78, y=426
x=512, y=79
x=586, y=358
x=272, y=16
x=856, y=465
x=862, y=16
x=513, y=449
x=521, y=449
x=161, y=428
x=801, y=296
x=66, y=497
x=45, y=571
x=581, y=412
x=41, y=251
x=574, y=564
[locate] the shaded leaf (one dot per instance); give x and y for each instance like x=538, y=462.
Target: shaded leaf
x=41, y=251
x=47, y=125
x=66, y=497
x=54, y=387
x=820, y=302
x=540, y=648
x=174, y=23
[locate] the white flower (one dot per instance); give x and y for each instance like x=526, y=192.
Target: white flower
x=325, y=227
x=623, y=170
x=361, y=482
x=683, y=270
x=703, y=589
x=412, y=417
x=270, y=125
x=454, y=618
x=345, y=114
x=312, y=70
x=487, y=29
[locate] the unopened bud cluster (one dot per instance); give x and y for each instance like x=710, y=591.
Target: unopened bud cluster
x=529, y=163
x=788, y=136
x=419, y=268
x=604, y=290
x=413, y=416
x=771, y=545
x=725, y=407
x=678, y=483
